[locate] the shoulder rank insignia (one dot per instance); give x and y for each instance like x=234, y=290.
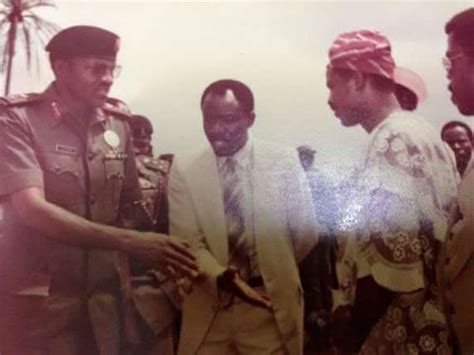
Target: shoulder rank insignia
x=156, y=164
x=20, y=99
x=117, y=107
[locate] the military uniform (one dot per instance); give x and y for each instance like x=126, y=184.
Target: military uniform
x=153, y=176
x=56, y=293
x=156, y=296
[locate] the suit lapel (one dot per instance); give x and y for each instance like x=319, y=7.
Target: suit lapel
x=266, y=206
x=208, y=198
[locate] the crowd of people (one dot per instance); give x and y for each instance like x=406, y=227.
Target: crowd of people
x=243, y=247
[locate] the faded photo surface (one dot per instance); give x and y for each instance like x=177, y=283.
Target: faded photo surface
x=236, y=177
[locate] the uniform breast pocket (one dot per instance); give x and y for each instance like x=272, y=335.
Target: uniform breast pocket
x=63, y=180
x=114, y=174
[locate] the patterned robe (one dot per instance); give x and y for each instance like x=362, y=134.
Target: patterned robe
x=402, y=205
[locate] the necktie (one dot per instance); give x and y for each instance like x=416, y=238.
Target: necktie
x=234, y=217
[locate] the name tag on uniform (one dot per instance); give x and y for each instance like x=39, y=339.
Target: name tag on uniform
x=66, y=149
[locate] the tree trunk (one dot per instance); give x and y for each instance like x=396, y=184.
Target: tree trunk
x=11, y=53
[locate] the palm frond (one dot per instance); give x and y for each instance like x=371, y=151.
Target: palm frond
x=7, y=3
x=3, y=22
x=18, y=16
x=2, y=50
x=41, y=24
x=37, y=60
x=40, y=34
x=27, y=43
x=28, y=5
x=5, y=54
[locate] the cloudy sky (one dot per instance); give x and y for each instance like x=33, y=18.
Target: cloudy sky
x=172, y=50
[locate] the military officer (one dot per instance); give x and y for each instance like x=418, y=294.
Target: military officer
x=152, y=173
x=68, y=174
x=156, y=297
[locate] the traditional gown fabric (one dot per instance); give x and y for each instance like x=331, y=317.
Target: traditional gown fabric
x=402, y=205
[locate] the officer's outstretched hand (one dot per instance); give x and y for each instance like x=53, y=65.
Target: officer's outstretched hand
x=162, y=252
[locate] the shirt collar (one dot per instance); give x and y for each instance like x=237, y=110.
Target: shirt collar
x=242, y=156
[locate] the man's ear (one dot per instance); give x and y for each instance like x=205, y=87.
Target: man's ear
x=60, y=67
x=251, y=119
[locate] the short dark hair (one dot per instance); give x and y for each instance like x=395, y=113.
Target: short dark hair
x=461, y=26
x=242, y=92
x=453, y=124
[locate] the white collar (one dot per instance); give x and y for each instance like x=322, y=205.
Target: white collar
x=241, y=157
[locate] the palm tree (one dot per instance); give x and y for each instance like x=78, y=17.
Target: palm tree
x=18, y=19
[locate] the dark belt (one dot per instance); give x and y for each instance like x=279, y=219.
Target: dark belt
x=256, y=281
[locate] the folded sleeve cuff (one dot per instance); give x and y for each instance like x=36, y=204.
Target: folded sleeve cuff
x=20, y=180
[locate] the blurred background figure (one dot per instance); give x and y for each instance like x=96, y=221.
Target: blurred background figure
x=152, y=172
x=458, y=136
x=306, y=155
x=321, y=188
x=317, y=285
x=156, y=297
x=142, y=131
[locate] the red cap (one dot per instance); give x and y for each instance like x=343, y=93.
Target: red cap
x=411, y=81
x=364, y=51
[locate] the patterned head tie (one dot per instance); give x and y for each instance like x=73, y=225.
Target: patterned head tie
x=363, y=51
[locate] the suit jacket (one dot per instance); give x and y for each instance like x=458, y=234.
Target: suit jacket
x=457, y=263
x=284, y=234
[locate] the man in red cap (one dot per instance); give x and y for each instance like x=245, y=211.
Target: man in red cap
x=404, y=198
x=68, y=174
x=458, y=256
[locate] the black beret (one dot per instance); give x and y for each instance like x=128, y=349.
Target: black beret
x=83, y=41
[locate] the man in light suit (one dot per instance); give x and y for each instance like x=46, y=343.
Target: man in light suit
x=457, y=256
x=245, y=207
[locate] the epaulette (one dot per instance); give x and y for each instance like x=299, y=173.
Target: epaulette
x=157, y=164
x=117, y=107
x=20, y=99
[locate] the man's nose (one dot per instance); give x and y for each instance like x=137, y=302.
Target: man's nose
x=218, y=128
x=330, y=103
x=107, y=77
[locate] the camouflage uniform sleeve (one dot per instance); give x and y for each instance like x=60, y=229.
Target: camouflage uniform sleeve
x=19, y=166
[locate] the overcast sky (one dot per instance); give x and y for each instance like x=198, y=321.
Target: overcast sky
x=171, y=51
